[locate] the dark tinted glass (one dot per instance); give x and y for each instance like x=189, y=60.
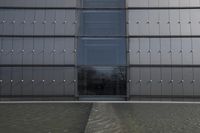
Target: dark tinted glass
x=103, y=23
x=98, y=51
x=102, y=81
x=103, y=3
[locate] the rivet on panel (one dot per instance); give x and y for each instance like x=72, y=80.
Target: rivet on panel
x=22, y=80
x=13, y=21
x=43, y=80
x=74, y=80
x=11, y=81
x=32, y=80
x=65, y=22
x=171, y=81
x=158, y=22
x=2, y=50
x=129, y=81
x=44, y=22
x=1, y=81
x=3, y=21
x=161, y=81
x=64, y=81
x=64, y=50
x=75, y=51
x=193, y=81
x=24, y=22
x=34, y=22
x=54, y=81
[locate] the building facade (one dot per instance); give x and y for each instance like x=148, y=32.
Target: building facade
x=100, y=48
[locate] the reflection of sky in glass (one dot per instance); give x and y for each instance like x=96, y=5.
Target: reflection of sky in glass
x=102, y=52
x=103, y=3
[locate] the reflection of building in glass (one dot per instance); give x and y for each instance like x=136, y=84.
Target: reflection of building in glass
x=100, y=48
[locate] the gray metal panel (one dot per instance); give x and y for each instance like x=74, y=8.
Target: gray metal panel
x=137, y=3
x=164, y=25
x=39, y=25
x=6, y=78
x=194, y=3
x=64, y=51
x=174, y=3
x=28, y=51
x=38, y=3
x=49, y=85
x=1, y=21
x=27, y=83
x=19, y=25
x=177, y=51
x=70, y=84
x=39, y=51
x=133, y=25
x=187, y=53
x=175, y=22
x=70, y=27
x=1, y=50
x=60, y=22
x=196, y=47
x=29, y=18
x=185, y=22
x=163, y=3
x=166, y=78
x=143, y=22
x=156, y=88
x=6, y=47
x=145, y=55
x=153, y=22
x=37, y=81
x=59, y=81
x=165, y=49
x=49, y=51
x=134, y=45
x=195, y=20
x=17, y=53
x=177, y=84
x=145, y=84
x=184, y=3
x=155, y=50
x=50, y=22
x=16, y=85
x=135, y=78
x=187, y=84
x=197, y=81
x=9, y=25
x=154, y=3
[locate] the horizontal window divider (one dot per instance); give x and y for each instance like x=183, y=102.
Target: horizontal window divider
x=79, y=66
x=164, y=36
x=112, y=8
x=37, y=65
x=163, y=96
x=128, y=36
x=161, y=8
x=164, y=65
x=45, y=8
x=35, y=96
x=37, y=36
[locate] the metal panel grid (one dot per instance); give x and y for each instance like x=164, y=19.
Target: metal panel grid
x=38, y=48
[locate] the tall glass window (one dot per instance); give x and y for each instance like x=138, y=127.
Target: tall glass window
x=102, y=48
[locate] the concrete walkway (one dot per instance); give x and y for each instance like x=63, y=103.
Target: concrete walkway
x=153, y=117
